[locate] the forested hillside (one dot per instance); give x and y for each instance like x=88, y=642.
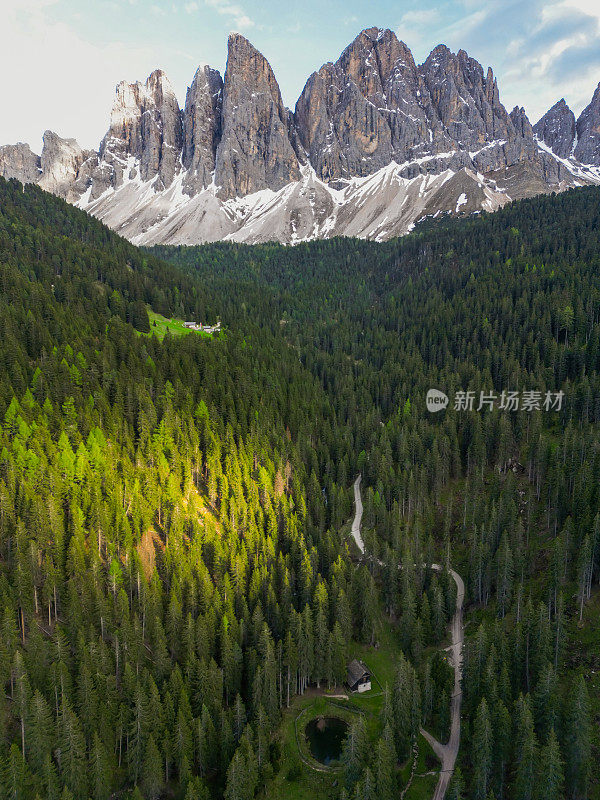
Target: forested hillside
x=504, y=302
x=172, y=569
x=166, y=569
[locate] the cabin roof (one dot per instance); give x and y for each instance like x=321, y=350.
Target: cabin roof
x=357, y=671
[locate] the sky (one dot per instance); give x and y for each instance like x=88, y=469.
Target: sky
x=60, y=60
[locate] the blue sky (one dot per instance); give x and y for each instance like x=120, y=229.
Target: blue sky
x=61, y=59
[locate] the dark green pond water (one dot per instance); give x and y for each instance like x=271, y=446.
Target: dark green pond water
x=325, y=738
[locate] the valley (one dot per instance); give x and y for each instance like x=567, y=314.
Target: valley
x=300, y=400
x=180, y=554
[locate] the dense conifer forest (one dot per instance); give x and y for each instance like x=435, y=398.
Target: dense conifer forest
x=172, y=568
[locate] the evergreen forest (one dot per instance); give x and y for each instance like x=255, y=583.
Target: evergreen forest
x=175, y=565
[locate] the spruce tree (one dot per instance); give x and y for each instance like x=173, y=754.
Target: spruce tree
x=152, y=771
x=550, y=780
x=482, y=744
x=577, y=740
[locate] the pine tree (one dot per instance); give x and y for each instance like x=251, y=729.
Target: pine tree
x=526, y=752
x=72, y=752
x=584, y=573
x=385, y=768
x=550, y=780
x=22, y=695
x=355, y=751
x=366, y=788
x=100, y=777
x=49, y=779
x=577, y=736
x=239, y=718
x=407, y=707
x=502, y=730
x=41, y=731
x=338, y=655
x=17, y=781
x=290, y=660
x=482, y=752
x=238, y=782
x=546, y=702
x=138, y=730
x=197, y=790
x=152, y=771
x=457, y=787
x=504, y=579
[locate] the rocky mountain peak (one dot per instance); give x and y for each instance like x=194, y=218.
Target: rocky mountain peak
x=521, y=122
x=20, y=162
x=145, y=123
x=557, y=129
x=491, y=89
x=246, y=65
x=374, y=105
x=255, y=151
x=374, y=33
x=439, y=53
x=201, y=128
x=60, y=163
x=372, y=60
x=158, y=84
x=359, y=113
x=391, y=141
x=587, y=149
x=466, y=103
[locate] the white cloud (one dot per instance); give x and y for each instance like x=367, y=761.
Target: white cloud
x=557, y=54
x=589, y=7
x=540, y=50
x=466, y=25
x=424, y=16
x=414, y=26
x=239, y=17
x=59, y=80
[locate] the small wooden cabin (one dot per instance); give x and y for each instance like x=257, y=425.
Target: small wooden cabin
x=359, y=677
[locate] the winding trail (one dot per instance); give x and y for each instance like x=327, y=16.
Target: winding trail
x=358, y=516
x=448, y=752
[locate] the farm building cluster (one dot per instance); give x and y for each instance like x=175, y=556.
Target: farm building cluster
x=198, y=326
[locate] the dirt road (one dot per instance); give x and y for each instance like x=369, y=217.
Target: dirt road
x=448, y=752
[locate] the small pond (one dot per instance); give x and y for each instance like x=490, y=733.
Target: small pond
x=325, y=737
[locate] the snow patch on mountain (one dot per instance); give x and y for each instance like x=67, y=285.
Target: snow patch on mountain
x=378, y=206
x=588, y=173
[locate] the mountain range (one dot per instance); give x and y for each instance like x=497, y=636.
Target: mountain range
x=375, y=144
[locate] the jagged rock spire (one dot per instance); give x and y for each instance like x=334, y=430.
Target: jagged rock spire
x=557, y=129
x=255, y=151
x=588, y=132
x=201, y=128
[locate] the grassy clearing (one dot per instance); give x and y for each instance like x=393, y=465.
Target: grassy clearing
x=381, y=660
x=295, y=780
x=422, y=781
x=427, y=759
x=159, y=326
x=321, y=707
x=422, y=787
